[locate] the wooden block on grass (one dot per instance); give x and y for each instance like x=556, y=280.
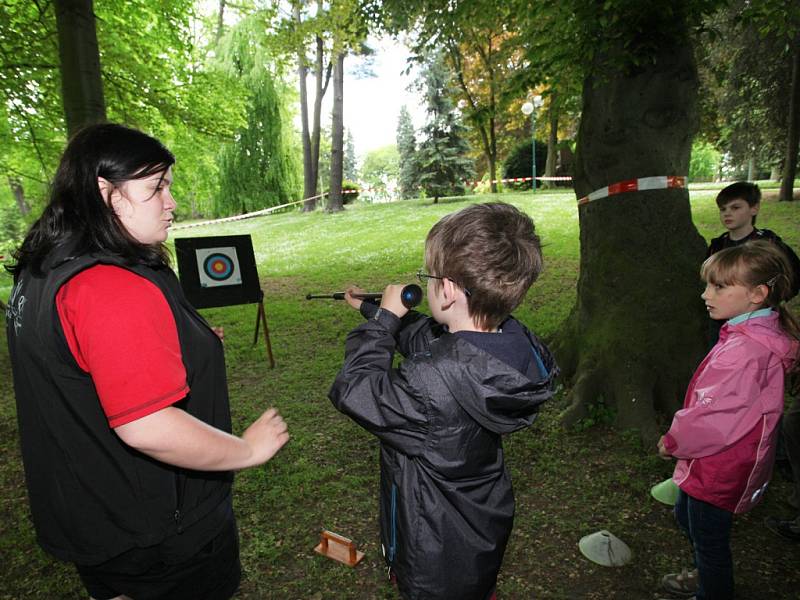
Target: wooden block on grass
x=339, y=548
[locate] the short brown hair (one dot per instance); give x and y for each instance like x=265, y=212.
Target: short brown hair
x=490, y=249
x=741, y=190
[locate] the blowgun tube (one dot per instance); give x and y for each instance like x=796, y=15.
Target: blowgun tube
x=410, y=296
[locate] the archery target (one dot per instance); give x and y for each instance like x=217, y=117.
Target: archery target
x=218, y=267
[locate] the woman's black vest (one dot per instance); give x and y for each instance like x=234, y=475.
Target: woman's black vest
x=93, y=497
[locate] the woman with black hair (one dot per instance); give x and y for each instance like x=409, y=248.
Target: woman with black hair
x=121, y=391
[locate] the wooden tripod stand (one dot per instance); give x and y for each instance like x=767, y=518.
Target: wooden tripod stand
x=262, y=316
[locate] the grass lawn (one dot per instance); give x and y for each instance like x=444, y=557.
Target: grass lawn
x=568, y=483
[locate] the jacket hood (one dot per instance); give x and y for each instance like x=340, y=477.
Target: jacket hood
x=767, y=331
x=495, y=394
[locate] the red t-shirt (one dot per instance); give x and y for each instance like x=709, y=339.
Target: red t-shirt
x=122, y=332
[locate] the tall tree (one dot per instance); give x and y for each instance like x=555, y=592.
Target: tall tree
x=350, y=162
x=348, y=32
x=442, y=156
x=781, y=19
x=169, y=88
x=309, y=27
x=335, y=199
x=746, y=79
x=407, y=150
x=81, y=81
x=256, y=169
x=481, y=51
x=636, y=331
x=792, y=126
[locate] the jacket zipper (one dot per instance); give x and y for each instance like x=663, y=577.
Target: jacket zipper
x=393, y=525
x=179, y=489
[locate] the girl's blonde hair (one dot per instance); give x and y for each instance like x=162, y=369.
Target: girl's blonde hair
x=752, y=264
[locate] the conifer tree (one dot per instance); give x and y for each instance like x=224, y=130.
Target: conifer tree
x=350, y=163
x=442, y=156
x=408, y=179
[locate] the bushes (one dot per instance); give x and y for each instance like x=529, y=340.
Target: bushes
x=519, y=164
x=350, y=191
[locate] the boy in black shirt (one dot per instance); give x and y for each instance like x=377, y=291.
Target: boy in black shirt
x=739, y=204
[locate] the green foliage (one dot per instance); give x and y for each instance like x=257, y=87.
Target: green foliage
x=408, y=175
x=442, y=156
x=32, y=129
x=705, y=161
x=258, y=169
x=156, y=77
x=12, y=229
x=598, y=414
x=746, y=77
x=381, y=167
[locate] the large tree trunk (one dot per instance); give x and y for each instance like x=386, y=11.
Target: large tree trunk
x=220, y=21
x=309, y=173
x=552, y=143
x=311, y=135
x=81, y=81
x=636, y=332
x=335, y=202
x=793, y=129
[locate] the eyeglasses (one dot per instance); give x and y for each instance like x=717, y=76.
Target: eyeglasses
x=423, y=277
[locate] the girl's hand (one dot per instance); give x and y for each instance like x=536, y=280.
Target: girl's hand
x=662, y=451
x=220, y=331
x=348, y=295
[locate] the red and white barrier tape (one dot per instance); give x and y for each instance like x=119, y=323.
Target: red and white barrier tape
x=659, y=182
x=266, y=211
x=520, y=180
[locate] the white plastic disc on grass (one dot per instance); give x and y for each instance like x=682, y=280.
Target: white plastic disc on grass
x=604, y=548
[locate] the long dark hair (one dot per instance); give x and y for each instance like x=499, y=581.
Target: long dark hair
x=78, y=212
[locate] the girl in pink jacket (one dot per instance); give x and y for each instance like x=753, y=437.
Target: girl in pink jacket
x=724, y=437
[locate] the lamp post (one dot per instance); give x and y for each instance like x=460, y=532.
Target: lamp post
x=529, y=108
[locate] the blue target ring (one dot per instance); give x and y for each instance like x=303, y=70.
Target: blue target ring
x=218, y=267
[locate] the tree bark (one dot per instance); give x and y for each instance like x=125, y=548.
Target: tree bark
x=552, y=143
x=15, y=183
x=335, y=201
x=636, y=332
x=220, y=21
x=793, y=129
x=311, y=135
x=309, y=174
x=81, y=80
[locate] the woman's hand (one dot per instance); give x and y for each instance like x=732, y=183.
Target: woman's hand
x=173, y=436
x=266, y=436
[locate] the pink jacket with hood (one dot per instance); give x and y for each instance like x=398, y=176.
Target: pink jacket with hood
x=724, y=437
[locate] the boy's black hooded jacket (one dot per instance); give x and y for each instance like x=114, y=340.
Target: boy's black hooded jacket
x=447, y=505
